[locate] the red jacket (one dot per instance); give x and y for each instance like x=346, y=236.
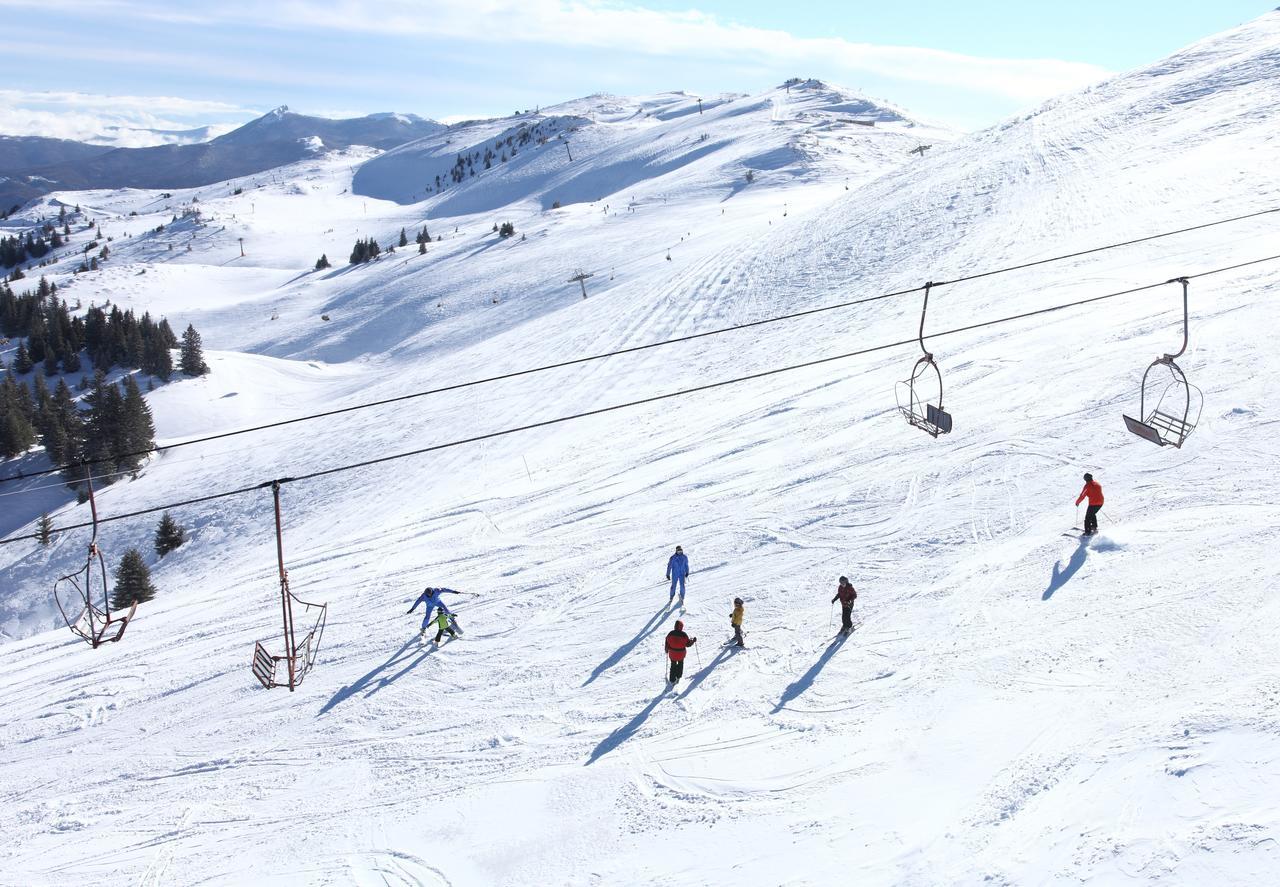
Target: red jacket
x=847, y=594
x=677, y=643
x=1093, y=490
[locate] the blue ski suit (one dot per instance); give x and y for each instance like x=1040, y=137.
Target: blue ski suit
x=677, y=572
x=431, y=597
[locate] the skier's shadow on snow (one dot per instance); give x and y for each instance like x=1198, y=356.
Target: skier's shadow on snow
x=621, y=653
x=805, y=681
x=625, y=732
x=725, y=653
x=1061, y=576
x=406, y=654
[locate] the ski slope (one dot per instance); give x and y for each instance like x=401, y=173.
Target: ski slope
x=1014, y=707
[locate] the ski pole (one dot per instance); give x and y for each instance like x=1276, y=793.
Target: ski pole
x=832, y=620
x=697, y=650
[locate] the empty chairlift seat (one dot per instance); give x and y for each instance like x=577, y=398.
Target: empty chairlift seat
x=1177, y=403
x=920, y=396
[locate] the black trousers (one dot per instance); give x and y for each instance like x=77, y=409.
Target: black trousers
x=677, y=671
x=846, y=616
x=737, y=635
x=440, y=634
x=1091, y=518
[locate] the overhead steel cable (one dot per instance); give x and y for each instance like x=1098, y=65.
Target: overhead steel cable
x=683, y=392
x=779, y=318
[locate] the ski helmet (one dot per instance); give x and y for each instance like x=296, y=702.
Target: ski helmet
x=1088, y=477
x=844, y=580
x=679, y=625
x=738, y=601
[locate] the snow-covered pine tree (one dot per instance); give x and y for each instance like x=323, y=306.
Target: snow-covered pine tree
x=191, y=359
x=169, y=535
x=133, y=581
x=44, y=530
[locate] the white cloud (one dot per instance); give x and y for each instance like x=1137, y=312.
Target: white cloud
x=622, y=27
x=120, y=120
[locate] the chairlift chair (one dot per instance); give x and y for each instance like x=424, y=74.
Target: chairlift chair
x=1177, y=409
x=79, y=593
x=299, y=656
x=920, y=396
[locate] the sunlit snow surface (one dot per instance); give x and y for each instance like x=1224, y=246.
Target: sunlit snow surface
x=1015, y=708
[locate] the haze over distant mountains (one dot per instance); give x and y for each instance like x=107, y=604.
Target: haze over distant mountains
x=31, y=166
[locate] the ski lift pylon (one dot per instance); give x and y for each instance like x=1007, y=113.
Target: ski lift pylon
x=1171, y=420
x=298, y=656
x=93, y=623
x=920, y=397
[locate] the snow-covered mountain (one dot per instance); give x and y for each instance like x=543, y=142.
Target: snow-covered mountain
x=1015, y=707
x=601, y=145
x=274, y=139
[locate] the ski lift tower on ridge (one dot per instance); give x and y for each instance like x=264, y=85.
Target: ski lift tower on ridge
x=298, y=656
x=581, y=278
x=1170, y=421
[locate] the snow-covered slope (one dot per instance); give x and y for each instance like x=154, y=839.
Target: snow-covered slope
x=1014, y=708
x=604, y=147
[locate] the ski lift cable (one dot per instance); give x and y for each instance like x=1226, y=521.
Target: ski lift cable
x=641, y=402
x=628, y=350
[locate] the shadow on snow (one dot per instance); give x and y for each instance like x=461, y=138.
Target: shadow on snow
x=621, y=653
x=625, y=732
x=406, y=654
x=725, y=653
x=1062, y=576
x=805, y=681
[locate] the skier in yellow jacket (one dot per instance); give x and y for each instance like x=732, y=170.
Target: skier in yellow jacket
x=735, y=619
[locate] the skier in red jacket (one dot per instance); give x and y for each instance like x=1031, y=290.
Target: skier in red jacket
x=1093, y=492
x=677, y=643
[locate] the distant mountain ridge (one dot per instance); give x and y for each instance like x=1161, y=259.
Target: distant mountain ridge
x=32, y=166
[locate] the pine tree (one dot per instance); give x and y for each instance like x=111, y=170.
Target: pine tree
x=322, y=262
x=133, y=582
x=169, y=535
x=44, y=530
x=191, y=360
x=404, y=238
x=22, y=360
x=137, y=430
x=422, y=248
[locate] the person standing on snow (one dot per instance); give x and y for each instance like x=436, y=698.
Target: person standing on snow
x=735, y=619
x=431, y=597
x=846, y=594
x=677, y=572
x=1093, y=492
x=677, y=643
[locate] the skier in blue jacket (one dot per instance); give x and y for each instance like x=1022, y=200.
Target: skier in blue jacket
x=677, y=572
x=431, y=597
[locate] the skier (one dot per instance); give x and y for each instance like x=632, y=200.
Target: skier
x=431, y=597
x=442, y=625
x=846, y=594
x=677, y=643
x=1093, y=492
x=677, y=572
x=735, y=619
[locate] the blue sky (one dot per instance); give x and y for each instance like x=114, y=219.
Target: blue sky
x=70, y=66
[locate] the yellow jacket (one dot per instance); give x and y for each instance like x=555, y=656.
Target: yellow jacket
x=735, y=619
